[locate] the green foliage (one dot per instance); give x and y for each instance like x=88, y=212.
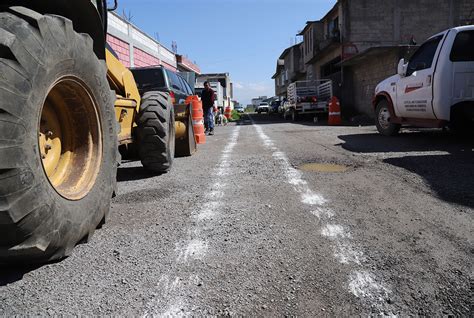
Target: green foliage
x=235, y=116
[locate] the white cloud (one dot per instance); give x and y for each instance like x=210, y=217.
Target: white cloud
x=238, y=85
x=244, y=92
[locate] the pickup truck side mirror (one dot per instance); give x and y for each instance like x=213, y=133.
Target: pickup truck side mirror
x=402, y=68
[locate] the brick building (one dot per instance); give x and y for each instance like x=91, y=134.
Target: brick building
x=359, y=42
x=136, y=49
x=185, y=65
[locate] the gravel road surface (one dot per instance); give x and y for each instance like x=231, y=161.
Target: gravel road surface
x=260, y=222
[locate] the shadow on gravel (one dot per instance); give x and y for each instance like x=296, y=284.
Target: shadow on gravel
x=143, y=196
x=134, y=173
x=451, y=175
x=10, y=275
x=411, y=141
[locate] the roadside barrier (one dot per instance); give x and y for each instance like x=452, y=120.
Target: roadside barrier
x=228, y=112
x=334, y=112
x=198, y=118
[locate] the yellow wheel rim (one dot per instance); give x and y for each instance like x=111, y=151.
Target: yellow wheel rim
x=70, y=139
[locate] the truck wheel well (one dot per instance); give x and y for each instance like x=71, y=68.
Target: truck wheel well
x=384, y=96
x=85, y=17
x=465, y=109
x=377, y=100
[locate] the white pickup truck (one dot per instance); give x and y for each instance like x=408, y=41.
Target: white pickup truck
x=434, y=89
x=308, y=97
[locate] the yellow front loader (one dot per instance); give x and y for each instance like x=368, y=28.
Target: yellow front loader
x=150, y=123
x=66, y=104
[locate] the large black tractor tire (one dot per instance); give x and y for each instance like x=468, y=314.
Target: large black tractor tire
x=58, y=142
x=382, y=120
x=155, y=132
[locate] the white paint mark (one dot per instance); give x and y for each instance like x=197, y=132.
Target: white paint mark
x=175, y=310
x=311, y=198
x=334, y=231
x=346, y=254
x=195, y=249
x=207, y=214
x=216, y=194
x=362, y=283
x=323, y=213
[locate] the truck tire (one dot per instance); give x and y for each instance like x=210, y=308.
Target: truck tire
x=382, y=120
x=155, y=132
x=462, y=120
x=58, y=143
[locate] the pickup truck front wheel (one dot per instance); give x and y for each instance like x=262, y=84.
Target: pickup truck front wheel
x=382, y=120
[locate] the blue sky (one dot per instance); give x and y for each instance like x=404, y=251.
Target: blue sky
x=242, y=37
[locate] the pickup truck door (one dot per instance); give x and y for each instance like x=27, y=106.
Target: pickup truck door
x=414, y=91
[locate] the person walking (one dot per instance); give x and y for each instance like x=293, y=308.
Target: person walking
x=207, y=97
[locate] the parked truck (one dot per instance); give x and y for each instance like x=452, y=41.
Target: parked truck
x=66, y=104
x=308, y=97
x=435, y=88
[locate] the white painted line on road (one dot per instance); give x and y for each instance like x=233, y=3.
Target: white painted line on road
x=194, y=248
x=334, y=231
x=323, y=213
x=346, y=254
x=362, y=283
x=294, y=177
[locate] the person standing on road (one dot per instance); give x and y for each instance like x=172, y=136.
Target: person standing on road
x=207, y=98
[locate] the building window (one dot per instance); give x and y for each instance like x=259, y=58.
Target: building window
x=333, y=28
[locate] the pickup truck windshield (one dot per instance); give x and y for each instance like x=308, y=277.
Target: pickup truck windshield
x=423, y=57
x=463, y=47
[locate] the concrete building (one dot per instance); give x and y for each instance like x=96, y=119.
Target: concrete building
x=224, y=80
x=281, y=78
x=359, y=42
x=290, y=68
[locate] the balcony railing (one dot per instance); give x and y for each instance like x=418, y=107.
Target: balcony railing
x=334, y=39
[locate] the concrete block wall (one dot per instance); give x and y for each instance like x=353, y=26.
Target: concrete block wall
x=365, y=76
x=466, y=11
x=392, y=22
x=143, y=59
x=120, y=47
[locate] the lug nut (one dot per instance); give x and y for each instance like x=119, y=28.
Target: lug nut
x=49, y=133
x=47, y=147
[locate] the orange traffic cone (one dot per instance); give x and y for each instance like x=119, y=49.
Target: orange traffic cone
x=334, y=112
x=198, y=121
x=228, y=112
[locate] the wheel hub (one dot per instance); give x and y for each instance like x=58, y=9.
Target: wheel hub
x=384, y=118
x=69, y=138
